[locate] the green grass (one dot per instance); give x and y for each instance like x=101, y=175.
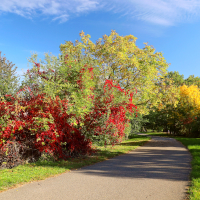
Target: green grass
x=10, y=178
x=193, y=145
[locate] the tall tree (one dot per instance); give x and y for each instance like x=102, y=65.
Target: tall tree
x=114, y=57
x=119, y=58
x=8, y=79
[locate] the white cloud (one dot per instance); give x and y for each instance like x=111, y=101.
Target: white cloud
x=60, y=9
x=62, y=18
x=158, y=20
x=161, y=12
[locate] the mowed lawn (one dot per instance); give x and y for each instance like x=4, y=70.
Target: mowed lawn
x=193, y=145
x=10, y=178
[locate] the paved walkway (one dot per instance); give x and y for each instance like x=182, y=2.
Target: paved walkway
x=159, y=170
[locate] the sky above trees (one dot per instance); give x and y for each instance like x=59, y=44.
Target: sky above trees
x=172, y=27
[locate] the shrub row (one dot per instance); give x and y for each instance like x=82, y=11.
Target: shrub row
x=42, y=124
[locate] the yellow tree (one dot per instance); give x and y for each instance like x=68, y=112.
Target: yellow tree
x=190, y=99
x=120, y=59
x=189, y=108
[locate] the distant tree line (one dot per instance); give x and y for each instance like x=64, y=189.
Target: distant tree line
x=181, y=113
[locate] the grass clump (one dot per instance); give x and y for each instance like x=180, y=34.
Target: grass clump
x=44, y=168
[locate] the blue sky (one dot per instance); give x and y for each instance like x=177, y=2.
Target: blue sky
x=171, y=26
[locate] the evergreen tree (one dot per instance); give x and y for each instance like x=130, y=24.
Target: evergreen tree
x=8, y=79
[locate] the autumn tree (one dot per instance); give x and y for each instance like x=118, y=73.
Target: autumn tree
x=113, y=57
x=182, y=117
x=189, y=109
x=164, y=115
x=120, y=59
x=172, y=107
x=8, y=78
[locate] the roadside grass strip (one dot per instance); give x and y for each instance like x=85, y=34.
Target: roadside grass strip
x=193, y=145
x=42, y=169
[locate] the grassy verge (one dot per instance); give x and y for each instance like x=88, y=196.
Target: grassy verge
x=193, y=145
x=10, y=178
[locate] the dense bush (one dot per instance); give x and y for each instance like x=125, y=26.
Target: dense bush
x=38, y=123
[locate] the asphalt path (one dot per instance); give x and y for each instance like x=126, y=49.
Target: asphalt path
x=159, y=170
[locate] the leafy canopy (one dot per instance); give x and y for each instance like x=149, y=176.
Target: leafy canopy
x=118, y=58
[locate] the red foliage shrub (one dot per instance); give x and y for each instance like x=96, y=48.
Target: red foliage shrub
x=60, y=138
x=96, y=123
x=40, y=124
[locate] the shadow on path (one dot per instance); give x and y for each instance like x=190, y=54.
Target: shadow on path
x=159, y=170
x=161, y=158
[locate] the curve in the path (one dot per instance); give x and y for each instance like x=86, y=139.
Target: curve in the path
x=159, y=170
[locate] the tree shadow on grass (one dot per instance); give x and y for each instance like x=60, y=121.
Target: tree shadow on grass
x=100, y=155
